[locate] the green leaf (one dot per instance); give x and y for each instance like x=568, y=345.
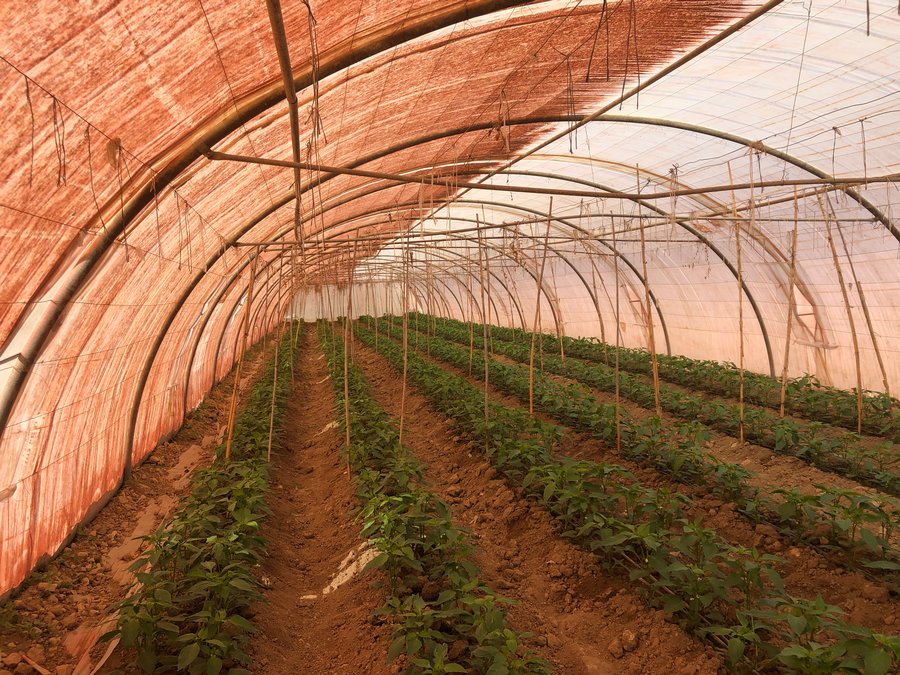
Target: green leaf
x=396, y=647
x=673, y=604
x=882, y=565
x=147, y=660
x=241, y=622
x=735, y=650
x=130, y=630
x=797, y=623
x=877, y=662
x=242, y=584
x=377, y=562
x=187, y=655
x=214, y=665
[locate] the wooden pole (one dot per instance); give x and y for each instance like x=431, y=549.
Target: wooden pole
x=471, y=320
x=274, y=387
x=862, y=301
x=406, y=255
x=853, y=334
x=348, y=336
x=618, y=337
x=240, y=363
x=650, y=337
x=537, y=312
x=792, y=280
x=740, y=291
x=484, y=326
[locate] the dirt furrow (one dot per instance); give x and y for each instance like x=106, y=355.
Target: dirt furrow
x=305, y=626
x=583, y=619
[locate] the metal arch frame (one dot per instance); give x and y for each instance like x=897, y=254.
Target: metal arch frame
x=242, y=267
x=214, y=298
x=526, y=121
x=544, y=290
x=700, y=237
x=122, y=216
x=853, y=193
x=235, y=276
x=221, y=291
x=512, y=207
x=557, y=319
x=146, y=184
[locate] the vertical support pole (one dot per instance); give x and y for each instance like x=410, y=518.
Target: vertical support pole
x=853, y=334
x=471, y=320
x=484, y=325
x=348, y=336
x=650, y=337
x=740, y=289
x=792, y=280
x=274, y=387
x=862, y=301
x=406, y=254
x=612, y=224
x=240, y=363
x=537, y=312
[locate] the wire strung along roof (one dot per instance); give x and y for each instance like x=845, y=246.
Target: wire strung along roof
x=134, y=207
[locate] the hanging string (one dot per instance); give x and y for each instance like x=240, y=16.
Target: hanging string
x=603, y=15
x=59, y=138
x=862, y=132
x=31, y=113
x=87, y=138
x=787, y=146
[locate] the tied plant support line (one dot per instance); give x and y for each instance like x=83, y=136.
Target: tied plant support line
x=453, y=184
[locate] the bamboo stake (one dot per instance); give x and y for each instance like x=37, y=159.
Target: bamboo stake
x=537, y=311
x=597, y=302
x=240, y=363
x=274, y=386
x=471, y=321
x=405, y=336
x=862, y=301
x=294, y=290
x=740, y=291
x=650, y=337
x=618, y=338
x=378, y=316
x=348, y=336
x=484, y=326
x=791, y=304
x=853, y=334
x=487, y=274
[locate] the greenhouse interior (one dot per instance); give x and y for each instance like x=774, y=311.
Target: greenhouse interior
x=474, y=336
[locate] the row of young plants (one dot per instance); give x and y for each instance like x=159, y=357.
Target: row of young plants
x=194, y=582
x=731, y=595
x=859, y=526
x=839, y=452
x=805, y=396
x=446, y=620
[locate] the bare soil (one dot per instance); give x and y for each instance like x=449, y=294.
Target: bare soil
x=311, y=532
x=583, y=620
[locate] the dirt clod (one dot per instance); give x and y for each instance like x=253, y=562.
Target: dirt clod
x=629, y=640
x=616, y=648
